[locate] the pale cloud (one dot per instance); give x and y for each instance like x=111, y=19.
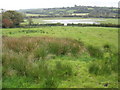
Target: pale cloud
x=26, y=4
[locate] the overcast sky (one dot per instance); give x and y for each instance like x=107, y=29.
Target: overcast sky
x=26, y=4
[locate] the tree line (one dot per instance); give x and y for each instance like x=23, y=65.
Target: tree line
x=11, y=19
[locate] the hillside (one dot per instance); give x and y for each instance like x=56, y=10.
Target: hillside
x=84, y=11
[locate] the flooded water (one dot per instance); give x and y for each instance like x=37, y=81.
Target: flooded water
x=74, y=21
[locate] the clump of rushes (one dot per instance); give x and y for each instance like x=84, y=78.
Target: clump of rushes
x=103, y=67
x=15, y=62
x=95, y=52
x=63, y=69
x=43, y=46
x=107, y=63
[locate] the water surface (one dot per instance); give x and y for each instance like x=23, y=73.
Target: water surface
x=74, y=21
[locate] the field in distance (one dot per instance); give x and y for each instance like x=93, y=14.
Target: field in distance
x=99, y=20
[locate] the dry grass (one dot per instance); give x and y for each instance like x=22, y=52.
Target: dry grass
x=20, y=53
x=56, y=46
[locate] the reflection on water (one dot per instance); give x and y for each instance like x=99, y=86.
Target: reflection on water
x=75, y=21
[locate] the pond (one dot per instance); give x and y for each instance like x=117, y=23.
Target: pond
x=74, y=21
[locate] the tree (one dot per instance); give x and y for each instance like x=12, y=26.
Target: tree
x=7, y=23
x=30, y=21
x=11, y=19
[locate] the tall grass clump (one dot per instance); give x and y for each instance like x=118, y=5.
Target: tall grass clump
x=106, y=64
x=95, y=52
x=53, y=77
x=41, y=53
x=41, y=47
x=103, y=67
x=63, y=69
x=28, y=56
x=13, y=62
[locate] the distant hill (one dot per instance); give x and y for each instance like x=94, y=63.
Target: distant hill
x=84, y=11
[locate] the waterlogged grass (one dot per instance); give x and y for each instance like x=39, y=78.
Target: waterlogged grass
x=60, y=57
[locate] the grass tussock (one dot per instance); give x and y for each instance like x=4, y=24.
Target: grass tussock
x=43, y=46
x=95, y=52
x=103, y=67
x=108, y=62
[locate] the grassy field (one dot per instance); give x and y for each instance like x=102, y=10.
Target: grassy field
x=82, y=14
x=96, y=36
x=60, y=57
x=113, y=21
x=35, y=15
x=32, y=14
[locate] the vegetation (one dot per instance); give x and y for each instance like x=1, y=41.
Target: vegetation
x=11, y=19
x=55, y=57
x=95, y=36
x=37, y=54
x=110, y=20
x=106, y=21
x=76, y=11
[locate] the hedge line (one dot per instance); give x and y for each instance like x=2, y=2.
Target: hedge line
x=83, y=25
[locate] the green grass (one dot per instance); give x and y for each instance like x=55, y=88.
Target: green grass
x=80, y=78
x=32, y=14
x=80, y=14
x=95, y=36
x=60, y=57
x=106, y=21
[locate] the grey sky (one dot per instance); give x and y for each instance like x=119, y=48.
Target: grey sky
x=26, y=4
